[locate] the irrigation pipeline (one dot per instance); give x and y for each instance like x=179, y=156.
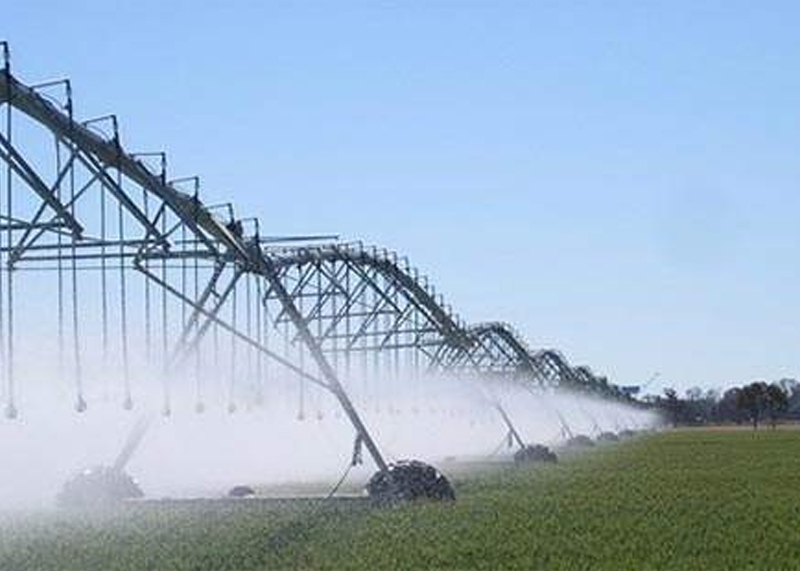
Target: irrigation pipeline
x=116, y=239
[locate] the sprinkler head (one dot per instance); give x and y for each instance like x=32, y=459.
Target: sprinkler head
x=80, y=405
x=166, y=411
x=128, y=403
x=199, y=408
x=231, y=408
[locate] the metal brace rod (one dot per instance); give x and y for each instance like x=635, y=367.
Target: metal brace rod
x=26, y=172
x=233, y=331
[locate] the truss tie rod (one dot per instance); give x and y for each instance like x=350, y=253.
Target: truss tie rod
x=206, y=313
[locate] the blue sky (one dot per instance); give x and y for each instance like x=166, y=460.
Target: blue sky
x=617, y=179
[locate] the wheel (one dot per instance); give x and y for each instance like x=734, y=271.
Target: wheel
x=96, y=487
x=241, y=492
x=409, y=480
x=535, y=453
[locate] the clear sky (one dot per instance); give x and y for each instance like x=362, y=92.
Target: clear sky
x=617, y=179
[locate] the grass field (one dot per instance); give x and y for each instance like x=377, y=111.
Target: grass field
x=693, y=499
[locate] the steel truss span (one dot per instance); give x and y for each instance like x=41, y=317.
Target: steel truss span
x=110, y=263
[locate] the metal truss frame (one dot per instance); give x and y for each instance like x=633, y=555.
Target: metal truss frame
x=188, y=275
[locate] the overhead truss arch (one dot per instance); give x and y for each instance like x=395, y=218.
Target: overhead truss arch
x=196, y=289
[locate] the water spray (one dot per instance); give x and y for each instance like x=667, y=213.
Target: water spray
x=571, y=439
x=600, y=434
x=167, y=237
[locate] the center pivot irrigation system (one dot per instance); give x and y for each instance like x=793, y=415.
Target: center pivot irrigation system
x=142, y=277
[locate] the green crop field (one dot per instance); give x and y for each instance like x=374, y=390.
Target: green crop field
x=693, y=499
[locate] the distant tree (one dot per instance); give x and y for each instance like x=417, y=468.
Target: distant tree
x=776, y=400
x=755, y=402
x=727, y=408
x=752, y=398
x=694, y=393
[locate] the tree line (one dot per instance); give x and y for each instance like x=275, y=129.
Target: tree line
x=753, y=403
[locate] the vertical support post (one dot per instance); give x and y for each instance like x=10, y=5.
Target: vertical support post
x=5, y=389
x=166, y=408
x=103, y=285
x=11, y=407
x=371, y=337
x=347, y=347
x=301, y=413
x=249, y=326
x=148, y=334
x=262, y=340
x=127, y=402
x=317, y=397
x=196, y=278
x=233, y=363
